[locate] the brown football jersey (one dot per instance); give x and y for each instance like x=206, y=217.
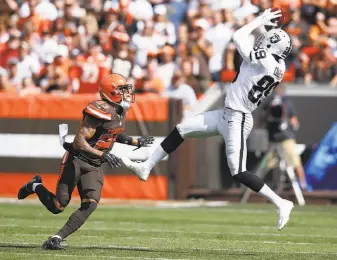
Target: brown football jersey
x=105, y=135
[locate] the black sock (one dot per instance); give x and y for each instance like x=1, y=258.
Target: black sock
x=172, y=141
x=250, y=180
x=77, y=219
x=47, y=199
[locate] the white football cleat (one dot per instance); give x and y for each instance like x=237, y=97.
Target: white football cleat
x=137, y=168
x=283, y=212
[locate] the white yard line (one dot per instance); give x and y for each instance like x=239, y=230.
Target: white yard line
x=197, y=205
x=86, y=246
x=154, y=250
x=183, y=231
x=254, y=226
x=191, y=239
x=186, y=231
x=231, y=240
x=46, y=235
x=95, y=256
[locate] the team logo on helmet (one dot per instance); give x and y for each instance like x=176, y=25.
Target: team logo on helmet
x=275, y=38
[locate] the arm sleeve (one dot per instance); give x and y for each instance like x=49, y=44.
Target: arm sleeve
x=124, y=139
x=240, y=36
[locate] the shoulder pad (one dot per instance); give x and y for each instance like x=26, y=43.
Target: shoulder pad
x=99, y=109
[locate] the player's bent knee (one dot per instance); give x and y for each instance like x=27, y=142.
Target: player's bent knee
x=189, y=126
x=250, y=180
x=181, y=129
x=88, y=207
x=56, y=211
x=90, y=200
x=56, y=207
x=172, y=141
x=64, y=200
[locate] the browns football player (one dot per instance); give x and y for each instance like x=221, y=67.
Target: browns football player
x=102, y=125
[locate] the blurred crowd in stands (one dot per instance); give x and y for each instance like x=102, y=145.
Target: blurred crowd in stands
x=168, y=47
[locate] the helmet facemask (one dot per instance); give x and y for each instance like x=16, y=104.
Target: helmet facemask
x=127, y=96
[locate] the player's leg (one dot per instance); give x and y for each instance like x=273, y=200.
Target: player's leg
x=65, y=186
x=236, y=129
x=201, y=125
x=89, y=187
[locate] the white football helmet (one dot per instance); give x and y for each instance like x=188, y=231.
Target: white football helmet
x=277, y=41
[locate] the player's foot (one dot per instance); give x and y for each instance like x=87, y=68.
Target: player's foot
x=53, y=243
x=283, y=212
x=27, y=189
x=137, y=168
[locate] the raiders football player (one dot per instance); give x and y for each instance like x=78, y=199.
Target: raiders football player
x=261, y=71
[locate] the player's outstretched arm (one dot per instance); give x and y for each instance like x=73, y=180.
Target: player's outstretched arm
x=87, y=130
x=143, y=141
x=240, y=36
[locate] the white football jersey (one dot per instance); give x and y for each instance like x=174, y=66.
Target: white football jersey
x=254, y=81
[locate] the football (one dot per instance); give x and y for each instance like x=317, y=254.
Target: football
x=279, y=20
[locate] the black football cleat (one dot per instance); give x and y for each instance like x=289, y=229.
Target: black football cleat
x=27, y=189
x=53, y=243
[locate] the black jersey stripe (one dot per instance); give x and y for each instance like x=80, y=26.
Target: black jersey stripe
x=242, y=142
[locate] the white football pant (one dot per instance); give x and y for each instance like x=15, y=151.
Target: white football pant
x=233, y=125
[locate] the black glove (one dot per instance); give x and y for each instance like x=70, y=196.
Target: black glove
x=145, y=141
x=68, y=146
x=112, y=160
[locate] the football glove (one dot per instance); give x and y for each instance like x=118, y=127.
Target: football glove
x=269, y=15
x=145, y=141
x=113, y=161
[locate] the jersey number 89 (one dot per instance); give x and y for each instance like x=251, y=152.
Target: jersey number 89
x=262, y=89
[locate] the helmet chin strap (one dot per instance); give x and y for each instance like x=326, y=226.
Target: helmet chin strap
x=125, y=105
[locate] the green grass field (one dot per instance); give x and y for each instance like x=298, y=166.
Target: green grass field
x=231, y=232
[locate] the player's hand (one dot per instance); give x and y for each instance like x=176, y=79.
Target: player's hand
x=269, y=15
x=113, y=161
x=145, y=141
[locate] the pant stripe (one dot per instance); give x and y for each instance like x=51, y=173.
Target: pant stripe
x=242, y=142
x=64, y=160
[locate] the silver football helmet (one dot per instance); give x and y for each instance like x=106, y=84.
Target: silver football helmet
x=277, y=41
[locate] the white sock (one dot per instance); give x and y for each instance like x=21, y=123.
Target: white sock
x=155, y=158
x=35, y=185
x=270, y=195
x=57, y=236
